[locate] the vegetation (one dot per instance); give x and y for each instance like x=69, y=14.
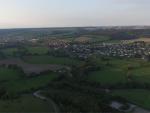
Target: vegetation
x=88, y=85
x=136, y=96
x=50, y=60
x=25, y=103
x=15, y=81
x=121, y=70
x=108, y=76
x=37, y=50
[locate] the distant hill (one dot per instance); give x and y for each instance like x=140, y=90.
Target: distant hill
x=116, y=33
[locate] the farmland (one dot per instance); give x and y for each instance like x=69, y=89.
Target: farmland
x=30, y=68
x=37, y=50
x=50, y=60
x=137, y=96
x=119, y=71
x=79, y=70
x=108, y=76
x=16, y=82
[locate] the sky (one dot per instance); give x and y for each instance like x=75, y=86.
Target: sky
x=72, y=13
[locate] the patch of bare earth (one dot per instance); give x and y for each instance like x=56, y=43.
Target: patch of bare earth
x=82, y=39
x=30, y=68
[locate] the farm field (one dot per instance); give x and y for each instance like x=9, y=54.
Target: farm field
x=50, y=60
x=92, y=39
x=29, y=84
x=16, y=82
x=37, y=50
x=74, y=69
x=9, y=74
x=136, y=96
x=29, y=68
x=118, y=72
x=9, y=51
x=108, y=76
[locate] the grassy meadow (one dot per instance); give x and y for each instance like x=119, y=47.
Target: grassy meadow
x=50, y=60
x=16, y=82
x=37, y=50
x=136, y=96
x=119, y=69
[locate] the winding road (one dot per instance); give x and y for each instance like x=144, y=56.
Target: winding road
x=38, y=94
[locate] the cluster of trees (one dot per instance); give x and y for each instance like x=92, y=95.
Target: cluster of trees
x=75, y=96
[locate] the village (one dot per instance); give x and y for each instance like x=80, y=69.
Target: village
x=129, y=50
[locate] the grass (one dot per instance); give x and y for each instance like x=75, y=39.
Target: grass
x=50, y=60
x=37, y=50
x=90, y=38
x=137, y=96
x=9, y=51
x=28, y=84
x=17, y=82
x=141, y=74
x=124, y=63
x=118, y=71
x=26, y=103
x=9, y=74
x=99, y=38
x=108, y=76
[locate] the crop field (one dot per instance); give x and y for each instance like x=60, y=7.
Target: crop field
x=30, y=68
x=95, y=38
x=118, y=72
x=9, y=74
x=135, y=96
x=92, y=38
x=15, y=81
x=141, y=74
x=9, y=51
x=50, y=60
x=29, y=84
x=37, y=50
x=108, y=76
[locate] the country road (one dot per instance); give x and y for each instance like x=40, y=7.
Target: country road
x=38, y=94
x=140, y=110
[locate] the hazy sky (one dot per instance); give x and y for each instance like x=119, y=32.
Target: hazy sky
x=59, y=13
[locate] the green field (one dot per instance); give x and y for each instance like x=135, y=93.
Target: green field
x=26, y=103
x=108, y=76
x=9, y=74
x=9, y=51
x=97, y=39
x=14, y=81
x=118, y=71
x=141, y=74
x=50, y=60
x=136, y=96
x=37, y=50
x=28, y=84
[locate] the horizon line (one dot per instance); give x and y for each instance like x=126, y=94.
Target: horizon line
x=9, y=28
